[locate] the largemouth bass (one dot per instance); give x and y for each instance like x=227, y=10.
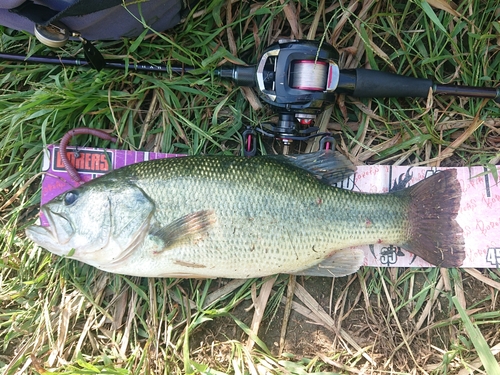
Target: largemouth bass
x=236, y=217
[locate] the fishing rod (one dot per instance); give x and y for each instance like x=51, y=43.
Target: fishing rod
x=108, y=64
x=297, y=78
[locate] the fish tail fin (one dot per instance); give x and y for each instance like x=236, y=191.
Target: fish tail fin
x=435, y=235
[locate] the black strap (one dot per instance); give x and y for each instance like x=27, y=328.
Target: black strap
x=44, y=16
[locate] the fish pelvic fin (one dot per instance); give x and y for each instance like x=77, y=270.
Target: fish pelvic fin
x=435, y=235
x=190, y=227
x=341, y=263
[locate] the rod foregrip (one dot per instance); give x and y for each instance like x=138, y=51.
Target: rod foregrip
x=365, y=83
x=240, y=75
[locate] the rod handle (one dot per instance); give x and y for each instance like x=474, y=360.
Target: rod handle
x=366, y=83
x=469, y=91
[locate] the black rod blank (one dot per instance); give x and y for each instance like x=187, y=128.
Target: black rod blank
x=64, y=61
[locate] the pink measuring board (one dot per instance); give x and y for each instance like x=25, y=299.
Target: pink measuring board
x=479, y=214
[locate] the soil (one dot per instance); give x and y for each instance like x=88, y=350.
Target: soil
x=372, y=327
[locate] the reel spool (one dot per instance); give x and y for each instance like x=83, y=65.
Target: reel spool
x=309, y=75
x=298, y=76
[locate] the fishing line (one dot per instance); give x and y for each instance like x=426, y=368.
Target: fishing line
x=309, y=75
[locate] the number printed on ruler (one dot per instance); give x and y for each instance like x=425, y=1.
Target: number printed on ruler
x=493, y=256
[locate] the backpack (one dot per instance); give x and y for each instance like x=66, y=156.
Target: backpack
x=53, y=20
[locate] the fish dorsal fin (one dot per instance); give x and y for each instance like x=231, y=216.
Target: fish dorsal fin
x=189, y=227
x=341, y=263
x=327, y=165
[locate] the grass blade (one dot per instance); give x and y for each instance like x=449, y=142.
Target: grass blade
x=483, y=350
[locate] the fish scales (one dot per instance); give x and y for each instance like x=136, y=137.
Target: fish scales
x=270, y=218
x=223, y=216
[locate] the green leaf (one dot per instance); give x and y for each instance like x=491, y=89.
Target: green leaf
x=483, y=350
x=432, y=15
x=251, y=334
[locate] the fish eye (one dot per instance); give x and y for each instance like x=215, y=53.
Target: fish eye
x=70, y=197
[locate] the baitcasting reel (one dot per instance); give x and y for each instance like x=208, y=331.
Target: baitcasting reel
x=298, y=78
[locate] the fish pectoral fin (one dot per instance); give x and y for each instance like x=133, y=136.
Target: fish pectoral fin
x=341, y=263
x=191, y=227
x=327, y=165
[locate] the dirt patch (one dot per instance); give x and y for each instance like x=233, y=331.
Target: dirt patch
x=370, y=323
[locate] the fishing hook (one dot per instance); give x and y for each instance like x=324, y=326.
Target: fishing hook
x=73, y=173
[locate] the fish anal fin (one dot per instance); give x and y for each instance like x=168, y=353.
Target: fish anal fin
x=341, y=263
x=190, y=227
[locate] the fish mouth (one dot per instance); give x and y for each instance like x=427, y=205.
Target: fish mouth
x=61, y=228
x=43, y=237
x=57, y=233
x=34, y=232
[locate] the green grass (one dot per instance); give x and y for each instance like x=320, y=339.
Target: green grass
x=64, y=317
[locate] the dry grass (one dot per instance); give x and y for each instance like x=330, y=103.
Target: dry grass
x=64, y=317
